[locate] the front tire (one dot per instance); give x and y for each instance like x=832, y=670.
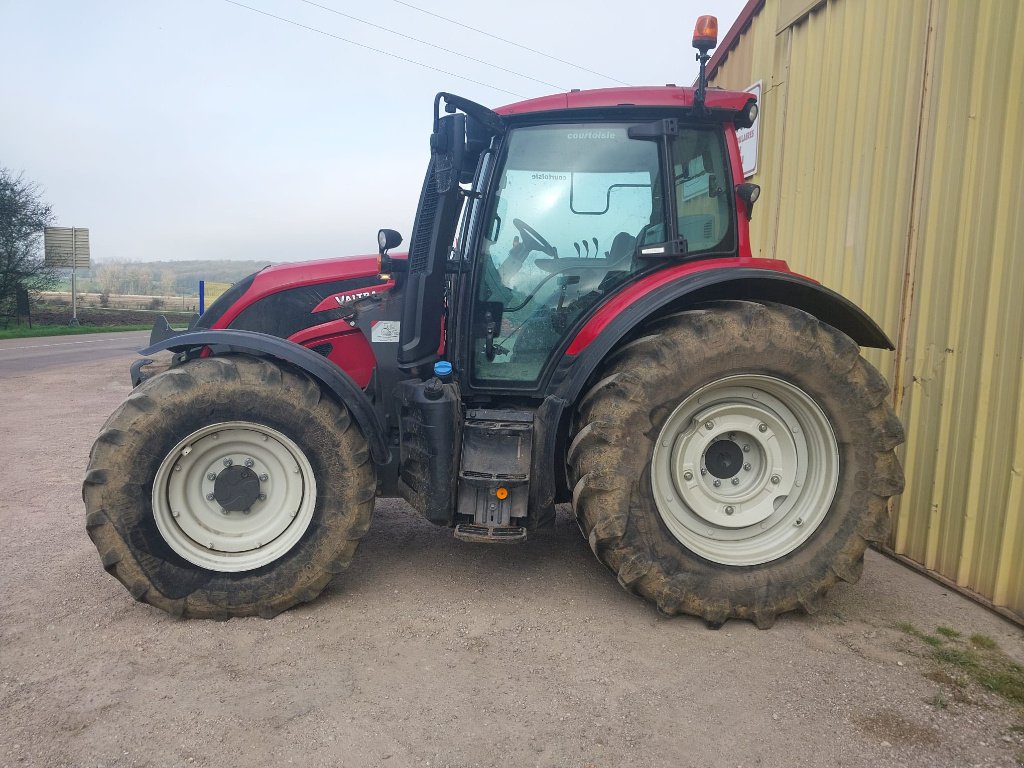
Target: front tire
x=735, y=461
x=228, y=486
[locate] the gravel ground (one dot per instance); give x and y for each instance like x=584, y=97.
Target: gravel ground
x=433, y=652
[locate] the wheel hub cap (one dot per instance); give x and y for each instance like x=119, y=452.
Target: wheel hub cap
x=723, y=459
x=236, y=488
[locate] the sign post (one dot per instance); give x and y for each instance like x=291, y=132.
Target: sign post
x=74, y=285
x=67, y=247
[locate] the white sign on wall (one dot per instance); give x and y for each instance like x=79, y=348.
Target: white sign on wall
x=748, y=137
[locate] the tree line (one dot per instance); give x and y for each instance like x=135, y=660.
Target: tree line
x=157, y=278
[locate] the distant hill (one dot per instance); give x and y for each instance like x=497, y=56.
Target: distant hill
x=166, y=278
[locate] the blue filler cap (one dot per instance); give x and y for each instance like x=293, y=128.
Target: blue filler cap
x=442, y=368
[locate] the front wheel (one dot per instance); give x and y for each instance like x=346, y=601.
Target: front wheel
x=735, y=461
x=228, y=486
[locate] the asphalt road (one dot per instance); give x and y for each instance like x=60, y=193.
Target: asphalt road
x=21, y=357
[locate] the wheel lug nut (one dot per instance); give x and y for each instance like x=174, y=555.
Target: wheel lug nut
x=262, y=497
x=687, y=475
x=209, y=497
x=747, y=466
x=249, y=462
x=746, y=448
x=177, y=467
x=264, y=477
x=211, y=476
x=717, y=483
x=735, y=481
x=729, y=510
x=709, y=425
x=776, y=479
x=223, y=511
x=762, y=427
x=228, y=462
x=703, y=471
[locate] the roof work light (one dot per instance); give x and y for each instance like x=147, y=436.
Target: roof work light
x=705, y=33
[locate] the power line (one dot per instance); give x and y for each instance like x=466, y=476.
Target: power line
x=432, y=45
x=371, y=48
x=510, y=42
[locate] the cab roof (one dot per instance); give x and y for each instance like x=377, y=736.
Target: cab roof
x=639, y=96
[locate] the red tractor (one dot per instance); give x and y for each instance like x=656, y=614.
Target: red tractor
x=578, y=319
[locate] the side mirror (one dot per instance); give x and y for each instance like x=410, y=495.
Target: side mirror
x=748, y=193
x=448, y=142
x=388, y=239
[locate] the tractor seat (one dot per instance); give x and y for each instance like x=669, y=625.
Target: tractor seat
x=623, y=247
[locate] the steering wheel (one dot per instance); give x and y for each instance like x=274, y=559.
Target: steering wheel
x=533, y=240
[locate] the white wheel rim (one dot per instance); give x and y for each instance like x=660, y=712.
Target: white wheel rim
x=774, y=456
x=196, y=526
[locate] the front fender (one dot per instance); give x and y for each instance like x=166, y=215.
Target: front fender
x=335, y=379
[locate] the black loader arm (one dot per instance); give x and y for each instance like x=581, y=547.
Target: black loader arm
x=337, y=381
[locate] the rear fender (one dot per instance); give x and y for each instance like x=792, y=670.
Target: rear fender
x=666, y=292
x=337, y=381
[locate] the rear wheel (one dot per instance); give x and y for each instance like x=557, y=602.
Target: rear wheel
x=735, y=461
x=228, y=486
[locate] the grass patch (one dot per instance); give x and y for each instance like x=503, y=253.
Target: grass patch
x=24, y=332
x=979, y=660
x=910, y=629
x=939, y=701
x=957, y=657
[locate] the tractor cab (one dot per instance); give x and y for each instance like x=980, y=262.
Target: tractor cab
x=563, y=205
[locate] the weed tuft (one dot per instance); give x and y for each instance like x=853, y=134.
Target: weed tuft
x=979, y=660
x=964, y=659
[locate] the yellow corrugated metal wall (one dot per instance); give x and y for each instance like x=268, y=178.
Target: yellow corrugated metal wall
x=892, y=169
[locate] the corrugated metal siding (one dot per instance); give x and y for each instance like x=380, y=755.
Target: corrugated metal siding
x=893, y=170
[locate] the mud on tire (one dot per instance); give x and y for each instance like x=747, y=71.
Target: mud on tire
x=622, y=418
x=134, y=445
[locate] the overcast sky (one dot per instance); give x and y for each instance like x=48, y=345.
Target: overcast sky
x=198, y=129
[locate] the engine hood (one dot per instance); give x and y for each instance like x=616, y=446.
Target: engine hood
x=361, y=270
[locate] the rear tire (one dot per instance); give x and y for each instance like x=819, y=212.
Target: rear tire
x=301, y=495
x=679, y=407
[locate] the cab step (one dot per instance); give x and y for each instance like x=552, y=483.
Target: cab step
x=490, y=534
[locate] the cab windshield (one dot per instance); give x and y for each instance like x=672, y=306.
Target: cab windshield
x=574, y=205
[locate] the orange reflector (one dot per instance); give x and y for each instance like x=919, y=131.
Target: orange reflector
x=501, y=493
x=705, y=32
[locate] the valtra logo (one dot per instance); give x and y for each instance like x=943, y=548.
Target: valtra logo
x=345, y=298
